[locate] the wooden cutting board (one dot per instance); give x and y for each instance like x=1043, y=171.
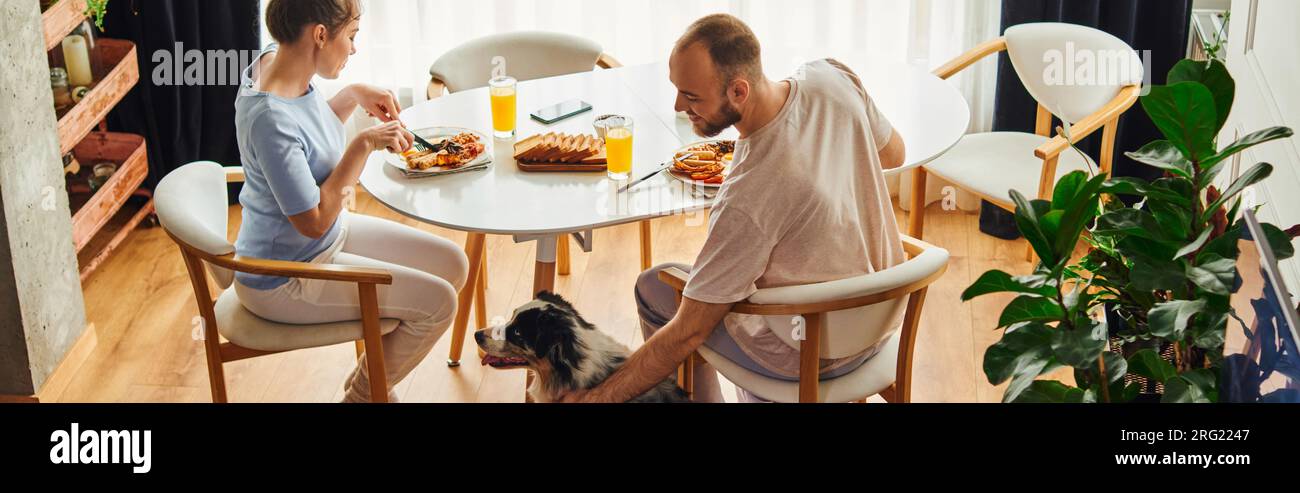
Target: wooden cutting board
x=592, y=164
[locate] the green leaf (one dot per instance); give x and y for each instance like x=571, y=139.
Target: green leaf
x=1051, y=224
x=996, y=281
x=1179, y=390
x=1169, y=319
x=1026, y=349
x=1162, y=154
x=1137, y=248
x=1249, y=140
x=1278, y=239
x=1175, y=222
x=1089, y=377
x=1125, y=185
x=1133, y=222
x=1213, y=274
x=1067, y=189
x=1194, y=245
x=1249, y=177
x=1051, y=392
x=1156, y=191
x=1174, y=190
x=1215, y=77
x=1028, y=308
x=1205, y=379
x=1185, y=113
x=1079, y=212
x=1148, y=363
x=1207, y=331
x=1081, y=346
x=1027, y=222
x=1152, y=275
x=1224, y=246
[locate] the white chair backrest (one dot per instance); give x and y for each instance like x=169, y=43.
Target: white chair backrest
x=1071, y=70
x=849, y=332
x=528, y=55
x=191, y=205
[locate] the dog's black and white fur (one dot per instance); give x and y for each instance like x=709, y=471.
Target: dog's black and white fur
x=564, y=350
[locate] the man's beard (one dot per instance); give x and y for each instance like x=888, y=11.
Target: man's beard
x=708, y=129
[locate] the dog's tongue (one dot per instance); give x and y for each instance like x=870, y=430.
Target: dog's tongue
x=499, y=362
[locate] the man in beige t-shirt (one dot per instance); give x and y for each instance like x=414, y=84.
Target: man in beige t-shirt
x=805, y=202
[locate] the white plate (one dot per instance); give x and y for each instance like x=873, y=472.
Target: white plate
x=435, y=135
x=687, y=179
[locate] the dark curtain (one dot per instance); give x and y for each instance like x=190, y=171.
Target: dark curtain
x=1160, y=26
x=182, y=123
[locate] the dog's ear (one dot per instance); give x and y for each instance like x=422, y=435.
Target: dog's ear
x=559, y=301
x=555, y=299
x=557, y=342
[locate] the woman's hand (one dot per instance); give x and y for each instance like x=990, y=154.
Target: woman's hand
x=378, y=102
x=392, y=136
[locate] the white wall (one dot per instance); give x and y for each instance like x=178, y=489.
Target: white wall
x=1267, y=71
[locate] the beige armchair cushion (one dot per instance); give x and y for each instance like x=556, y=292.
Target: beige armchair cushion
x=245, y=329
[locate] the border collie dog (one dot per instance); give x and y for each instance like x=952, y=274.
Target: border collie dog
x=548, y=336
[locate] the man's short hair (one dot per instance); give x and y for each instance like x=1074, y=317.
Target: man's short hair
x=731, y=44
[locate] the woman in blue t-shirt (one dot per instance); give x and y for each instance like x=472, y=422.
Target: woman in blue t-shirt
x=299, y=172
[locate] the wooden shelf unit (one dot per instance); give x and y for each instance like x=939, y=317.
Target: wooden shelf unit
x=98, y=228
x=77, y=121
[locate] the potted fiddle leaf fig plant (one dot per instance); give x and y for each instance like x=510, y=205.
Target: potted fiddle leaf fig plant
x=1164, y=267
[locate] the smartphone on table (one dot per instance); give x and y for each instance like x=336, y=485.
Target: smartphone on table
x=557, y=112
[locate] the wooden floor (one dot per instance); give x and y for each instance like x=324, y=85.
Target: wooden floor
x=141, y=307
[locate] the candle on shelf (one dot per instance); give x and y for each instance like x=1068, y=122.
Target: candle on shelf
x=77, y=57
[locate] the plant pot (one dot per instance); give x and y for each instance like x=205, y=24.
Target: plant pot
x=1115, y=324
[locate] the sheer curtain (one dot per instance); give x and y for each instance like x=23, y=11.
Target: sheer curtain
x=400, y=39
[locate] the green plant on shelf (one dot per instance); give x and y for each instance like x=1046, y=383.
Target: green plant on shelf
x=97, y=9
x=1163, y=268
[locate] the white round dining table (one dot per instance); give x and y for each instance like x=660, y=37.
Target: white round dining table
x=546, y=206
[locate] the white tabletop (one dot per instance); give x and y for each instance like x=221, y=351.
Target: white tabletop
x=928, y=112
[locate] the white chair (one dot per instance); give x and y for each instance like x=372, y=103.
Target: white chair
x=528, y=55
x=840, y=319
x=192, y=207
x=990, y=164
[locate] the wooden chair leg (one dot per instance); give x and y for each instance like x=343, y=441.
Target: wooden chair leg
x=211, y=337
x=686, y=376
x=647, y=256
x=361, y=347
x=901, y=390
x=562, y=255
x=916, y=216
x=890, y=395
x=473, y=251
x=374, y=342
x=810, y=358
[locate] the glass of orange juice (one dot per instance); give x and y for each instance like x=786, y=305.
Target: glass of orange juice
x=618, y=147
x=502, y=91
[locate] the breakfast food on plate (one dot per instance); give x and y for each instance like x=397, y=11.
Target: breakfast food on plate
x=458, y=150
x=560, y=148
x=705, y=162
